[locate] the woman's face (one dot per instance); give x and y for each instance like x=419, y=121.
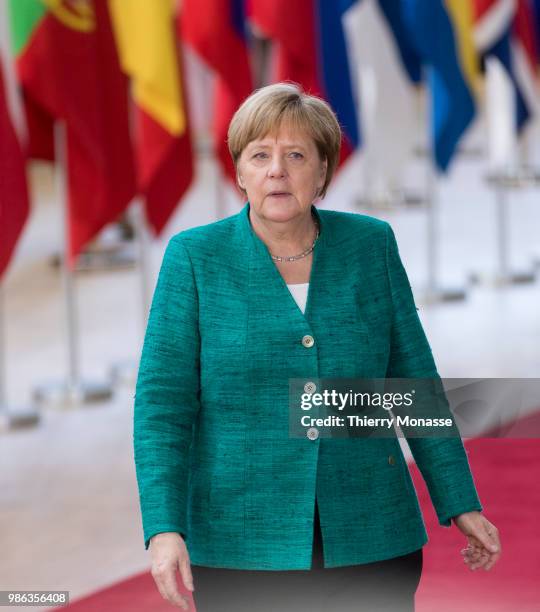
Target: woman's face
x=282, y=174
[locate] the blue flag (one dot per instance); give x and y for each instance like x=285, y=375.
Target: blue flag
x=452, y=104
x=392, y=11
x=502, y=50
x=335, y=66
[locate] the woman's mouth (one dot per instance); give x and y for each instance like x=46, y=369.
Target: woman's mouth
x=279, y=194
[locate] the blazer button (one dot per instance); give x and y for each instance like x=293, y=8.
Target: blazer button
x=310, y=387
x=391, y=459
x=312, y=433
x=308, y=341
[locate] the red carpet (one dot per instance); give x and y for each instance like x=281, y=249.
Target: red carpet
x=507, y=475
x=137, y=594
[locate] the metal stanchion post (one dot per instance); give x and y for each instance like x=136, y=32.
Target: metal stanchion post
x=434, y=292
x=510, y=172
x=11, y=418
x=125, y=372
x=73, y=392
x=505, y=274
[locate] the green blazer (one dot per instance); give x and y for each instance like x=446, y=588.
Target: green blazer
x=213, y=455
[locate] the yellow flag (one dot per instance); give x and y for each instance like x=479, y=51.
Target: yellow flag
x=146, y=40
x=462, y=18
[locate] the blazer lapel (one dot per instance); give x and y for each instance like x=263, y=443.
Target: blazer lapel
x=265, y=280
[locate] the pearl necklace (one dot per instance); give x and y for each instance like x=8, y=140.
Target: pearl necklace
x=299, y=256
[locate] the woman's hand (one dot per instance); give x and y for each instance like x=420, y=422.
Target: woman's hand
x=169, y=554
x=484, y=547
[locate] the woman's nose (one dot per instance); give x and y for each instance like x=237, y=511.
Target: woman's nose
x=277, y=167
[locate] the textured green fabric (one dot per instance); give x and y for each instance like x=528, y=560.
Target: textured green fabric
x=213, y=455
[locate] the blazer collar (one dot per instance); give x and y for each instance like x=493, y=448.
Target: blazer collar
x=325, y=234
x=265, y=278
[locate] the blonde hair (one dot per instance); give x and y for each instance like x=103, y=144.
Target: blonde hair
x=264, y=111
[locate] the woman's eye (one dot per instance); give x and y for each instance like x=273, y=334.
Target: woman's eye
x=297, y=155
x=259, y=155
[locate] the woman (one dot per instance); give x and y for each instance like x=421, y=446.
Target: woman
x=251, y=517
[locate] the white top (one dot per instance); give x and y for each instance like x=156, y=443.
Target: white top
x=299, y=293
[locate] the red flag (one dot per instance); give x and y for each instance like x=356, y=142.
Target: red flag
x=525, y=33
x=314, y=58
x=215, y=30
x=165, y=164
x=291, y=25
x=14, y=206
x=149, y=51
x=39, y=142
x=68, y=66
x=505, y=31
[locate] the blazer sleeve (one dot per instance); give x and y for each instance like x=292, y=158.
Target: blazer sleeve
x=167, y=396
x=442, y=461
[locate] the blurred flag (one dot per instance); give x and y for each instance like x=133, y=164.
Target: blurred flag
x=39, y=143
x=215, y=29
x=335, y=57
x=494, y=25
x=535, y=11
x=505, y=29
x=291, y=27
x=389, y=69
x=150, y=55
x=524, y=30
x=442, y=32
x=525, y=48
x=393, y=13
x=313, y=49
x=68, y=66
x=14, y=206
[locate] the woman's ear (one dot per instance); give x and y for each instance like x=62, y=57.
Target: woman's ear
x=240, y=181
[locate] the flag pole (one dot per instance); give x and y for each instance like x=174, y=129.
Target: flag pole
x=534, y=173
x=125, y=372
x=431, y=233
x=142, y=234
x=433, y=292
x=11, y=419
x=73, y=392
x=508, y=174
x=502, y=182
